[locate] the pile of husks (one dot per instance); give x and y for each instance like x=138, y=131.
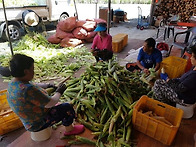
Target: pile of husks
x=51, y=61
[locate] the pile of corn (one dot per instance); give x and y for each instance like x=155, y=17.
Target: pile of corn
x=104, y=97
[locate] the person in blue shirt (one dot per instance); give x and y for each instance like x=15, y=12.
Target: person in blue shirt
x=148, y=57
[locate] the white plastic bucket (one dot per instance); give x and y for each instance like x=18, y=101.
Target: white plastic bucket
x=41, y=135
x=188, y=110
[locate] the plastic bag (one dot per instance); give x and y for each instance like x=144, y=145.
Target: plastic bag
x=68, y=24
x=53, y=39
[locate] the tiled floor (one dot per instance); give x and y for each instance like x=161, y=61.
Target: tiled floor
x=184, y=137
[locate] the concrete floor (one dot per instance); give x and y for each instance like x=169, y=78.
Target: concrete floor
x=135, y=40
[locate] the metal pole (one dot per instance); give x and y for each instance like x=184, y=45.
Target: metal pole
x=96, y=9
x=8, y=34
x=109, y=16
x=153, y=4
x=75, y=9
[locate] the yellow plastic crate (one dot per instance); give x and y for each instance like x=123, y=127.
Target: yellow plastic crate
x=8, y=119
x=174, y=66
x=152, y=127
x=117, y=45
x=124, y=37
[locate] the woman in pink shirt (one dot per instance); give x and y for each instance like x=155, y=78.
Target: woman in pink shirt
x=102, y=43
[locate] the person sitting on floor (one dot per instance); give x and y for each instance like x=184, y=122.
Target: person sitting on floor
x=179, y=90
x=102, y=43
x=148, y=57
x=35, y=108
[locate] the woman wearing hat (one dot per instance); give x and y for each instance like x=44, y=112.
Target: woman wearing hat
x=102, y=43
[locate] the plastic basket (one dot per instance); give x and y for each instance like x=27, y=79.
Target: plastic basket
x=123, y=36
x=174, y=66
x=119, y=41
x=8, y=119
x=155, y=128
x=117, y=45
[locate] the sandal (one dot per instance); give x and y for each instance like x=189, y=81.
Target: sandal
x=76, y=130
x=131, y=66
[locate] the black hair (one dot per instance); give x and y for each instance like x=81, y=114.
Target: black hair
x=193, y=50
x=19, y=63
x=102, y=24
x=150, y=42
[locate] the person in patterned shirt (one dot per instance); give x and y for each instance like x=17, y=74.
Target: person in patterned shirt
x=35, y=108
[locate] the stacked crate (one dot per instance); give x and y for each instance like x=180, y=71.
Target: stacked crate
x=119, y=41
x=8, y=119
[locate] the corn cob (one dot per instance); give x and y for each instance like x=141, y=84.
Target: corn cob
x=50, y=90
x=128, y=134
x=103, y=117
x=85, y=140
x=109, y=106
x=87, y=104
x=88, y=125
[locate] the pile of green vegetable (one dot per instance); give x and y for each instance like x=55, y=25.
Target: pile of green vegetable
x=51, y=62
x=104, y=97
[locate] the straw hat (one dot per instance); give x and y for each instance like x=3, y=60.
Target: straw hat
x=31, y=19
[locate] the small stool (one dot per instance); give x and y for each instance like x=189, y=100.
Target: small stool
x=188, y=110
x=41, y=135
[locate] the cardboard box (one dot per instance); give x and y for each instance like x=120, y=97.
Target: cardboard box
x=158, y=20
